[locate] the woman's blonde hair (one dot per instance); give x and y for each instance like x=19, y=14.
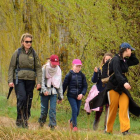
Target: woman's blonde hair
x=25, y=36
x=103, y=60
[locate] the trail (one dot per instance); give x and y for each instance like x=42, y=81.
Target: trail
x=9, y=122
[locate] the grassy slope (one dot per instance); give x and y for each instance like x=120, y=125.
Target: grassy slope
x=62, y=131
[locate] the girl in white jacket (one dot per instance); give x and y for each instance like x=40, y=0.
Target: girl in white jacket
x=51, y=86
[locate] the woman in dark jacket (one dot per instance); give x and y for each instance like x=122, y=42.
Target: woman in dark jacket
x=100, y=87
x=24, y=68
x=116, y=92
x=75, y=80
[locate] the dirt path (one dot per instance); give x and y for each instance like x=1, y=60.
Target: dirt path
x=9, y=122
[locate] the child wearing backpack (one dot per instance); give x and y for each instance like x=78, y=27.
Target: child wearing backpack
x=95, y=90
x=51, y=86
x=75, y=80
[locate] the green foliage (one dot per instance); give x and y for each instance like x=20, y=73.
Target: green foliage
x=72, y=29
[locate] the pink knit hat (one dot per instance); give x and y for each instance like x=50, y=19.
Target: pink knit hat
x=77, y=62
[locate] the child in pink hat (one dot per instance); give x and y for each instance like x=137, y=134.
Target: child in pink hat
x=75, y=80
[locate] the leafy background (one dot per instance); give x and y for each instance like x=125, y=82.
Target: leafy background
x=84, y=29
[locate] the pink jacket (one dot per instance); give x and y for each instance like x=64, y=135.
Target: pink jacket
x=93, y=92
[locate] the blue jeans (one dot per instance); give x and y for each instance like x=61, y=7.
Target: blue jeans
x=75, y=106
x=52, y=110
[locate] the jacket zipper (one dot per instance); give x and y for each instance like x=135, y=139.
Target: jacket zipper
x=77, y=84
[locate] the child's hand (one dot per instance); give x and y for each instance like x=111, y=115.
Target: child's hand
x=59, y=101
x=80, y=97
x=46, y=93
x=95, y=69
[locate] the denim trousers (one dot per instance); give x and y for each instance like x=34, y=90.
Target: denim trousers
x=75, y=106
x=45, y=107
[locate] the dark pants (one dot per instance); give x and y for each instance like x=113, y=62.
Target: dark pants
x=99, y=113
x=24, y=93
x=52, y=110
x=75, y=106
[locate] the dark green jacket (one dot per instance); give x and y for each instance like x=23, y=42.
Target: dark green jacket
x=26, y=60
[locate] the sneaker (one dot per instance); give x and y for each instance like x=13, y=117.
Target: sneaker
x=75, y=129
x=71, y=125
x=126, y=133
x=95, y=125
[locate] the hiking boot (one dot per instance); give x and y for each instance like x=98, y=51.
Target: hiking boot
x=95, y=125
x=126, y=133
x=19, y=123
x=75, y=129
x=25, y=124
x=70, y=124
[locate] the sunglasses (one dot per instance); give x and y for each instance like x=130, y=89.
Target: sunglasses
x=28, y=42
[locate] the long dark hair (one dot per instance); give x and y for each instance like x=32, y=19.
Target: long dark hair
x=121, y=51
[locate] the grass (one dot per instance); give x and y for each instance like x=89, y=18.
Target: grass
x=62, y=131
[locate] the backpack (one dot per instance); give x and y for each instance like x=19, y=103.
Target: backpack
x=17, y=64
x=105, y=72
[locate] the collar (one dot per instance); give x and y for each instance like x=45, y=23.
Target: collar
x=30, y=49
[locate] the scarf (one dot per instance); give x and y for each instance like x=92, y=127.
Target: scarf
x=53, y=75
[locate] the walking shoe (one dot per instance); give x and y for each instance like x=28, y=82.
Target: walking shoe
x=71, y=125
x=52, y=127
x=75, y=129
x=41, y=124
x=108, y=133
x=25, y=124
x=19, y=123
x=126, y=133
x=95, y=125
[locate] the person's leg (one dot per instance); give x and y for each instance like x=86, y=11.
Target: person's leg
x=73, y=104
x=124, y=112
x=30, y=84
x=97, y=118
x=78, y=106
x=106, y=110
x=21, y=100
x=52, y=111
x=113, y=98
x=44, y=110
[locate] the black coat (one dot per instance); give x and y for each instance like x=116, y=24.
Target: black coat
x=76, y=84
x=116, y=82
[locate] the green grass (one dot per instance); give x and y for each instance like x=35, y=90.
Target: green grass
x=85, y=123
